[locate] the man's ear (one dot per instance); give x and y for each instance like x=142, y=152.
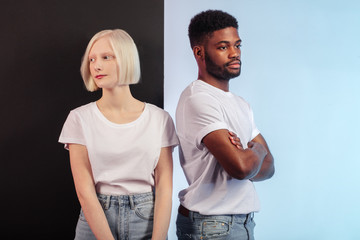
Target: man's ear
x=198, y=52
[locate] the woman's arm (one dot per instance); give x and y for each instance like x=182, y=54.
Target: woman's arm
x=163, y=194
x=85, y=189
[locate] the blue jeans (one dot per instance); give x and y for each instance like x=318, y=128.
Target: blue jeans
x=129, y=217
x=198, y=226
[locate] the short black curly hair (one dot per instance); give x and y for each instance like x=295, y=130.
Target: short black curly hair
x=205, y=23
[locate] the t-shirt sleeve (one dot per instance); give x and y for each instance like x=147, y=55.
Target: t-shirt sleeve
x=72, y=131
x=255, y=130
x=203, y=115
x=169, y=137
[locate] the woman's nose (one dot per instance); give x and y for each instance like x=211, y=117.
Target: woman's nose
x=97, y=66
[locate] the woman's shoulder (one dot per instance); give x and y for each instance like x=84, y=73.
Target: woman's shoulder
x=155, y=110
x=83, y=111
x=84, y=108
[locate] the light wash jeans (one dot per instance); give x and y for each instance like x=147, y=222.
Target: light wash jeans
x=129, y=217
x=229, y=227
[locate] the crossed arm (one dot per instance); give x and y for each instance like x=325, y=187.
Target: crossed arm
x=255, y=163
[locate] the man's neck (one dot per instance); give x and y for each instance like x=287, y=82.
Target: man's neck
x=221, y=84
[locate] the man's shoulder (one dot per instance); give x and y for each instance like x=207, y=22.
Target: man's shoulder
x=196, y=90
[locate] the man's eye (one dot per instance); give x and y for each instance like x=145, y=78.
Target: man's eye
x=238, y=46
x=222, y=48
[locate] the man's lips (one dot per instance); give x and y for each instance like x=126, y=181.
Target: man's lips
x=234, y=64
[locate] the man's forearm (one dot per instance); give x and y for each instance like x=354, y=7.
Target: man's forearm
x=267, y=169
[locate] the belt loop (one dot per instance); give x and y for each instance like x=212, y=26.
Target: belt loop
x=132, y=205
x=249, y=217
x=191, y=215
x=107, y=203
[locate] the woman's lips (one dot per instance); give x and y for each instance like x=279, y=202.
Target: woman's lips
x=99, y=76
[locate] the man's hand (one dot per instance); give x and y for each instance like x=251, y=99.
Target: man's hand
x=259, y=148
x=238, y=162
x=235, y=140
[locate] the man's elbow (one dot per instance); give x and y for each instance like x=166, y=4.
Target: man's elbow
x=272, y=171
x=271, y=168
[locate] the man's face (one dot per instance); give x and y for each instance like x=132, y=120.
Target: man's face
x=222, y=54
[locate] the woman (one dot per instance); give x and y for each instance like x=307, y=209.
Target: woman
x=120, y=148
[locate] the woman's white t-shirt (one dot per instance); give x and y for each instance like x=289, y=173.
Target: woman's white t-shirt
x=123, y=157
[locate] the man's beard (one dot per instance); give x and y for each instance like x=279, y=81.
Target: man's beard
x=220, y=72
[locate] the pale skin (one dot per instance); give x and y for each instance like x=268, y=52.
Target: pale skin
x=256, y=162
x=119, y=106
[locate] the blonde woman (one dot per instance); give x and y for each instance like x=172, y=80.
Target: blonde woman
x=120, y=148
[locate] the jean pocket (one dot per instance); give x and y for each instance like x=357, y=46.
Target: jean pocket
x=182, y=236
x=145, y=210
x=103, y=203
x=215, y=229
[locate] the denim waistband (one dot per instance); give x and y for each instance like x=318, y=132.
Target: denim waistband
x=242, y=218
x=132, y=200
x=229, y=217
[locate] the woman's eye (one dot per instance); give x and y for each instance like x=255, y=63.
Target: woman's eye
x=108, y=57
x=91, y=60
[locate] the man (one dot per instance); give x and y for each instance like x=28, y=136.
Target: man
x=221, y=150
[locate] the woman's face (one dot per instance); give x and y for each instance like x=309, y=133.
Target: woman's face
x=103, y=65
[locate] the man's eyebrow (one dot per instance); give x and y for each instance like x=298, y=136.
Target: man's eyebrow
x=220, y=42
x=227, y=42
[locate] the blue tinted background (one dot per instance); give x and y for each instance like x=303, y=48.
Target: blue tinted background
x=300, y=73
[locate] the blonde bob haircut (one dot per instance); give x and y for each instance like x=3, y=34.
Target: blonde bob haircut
x=126, y=56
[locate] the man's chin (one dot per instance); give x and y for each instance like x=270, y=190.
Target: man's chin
x=234, y=75
x=225, y=75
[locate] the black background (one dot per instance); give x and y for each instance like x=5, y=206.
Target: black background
x=42, y=43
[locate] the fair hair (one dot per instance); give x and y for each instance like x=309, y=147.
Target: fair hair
x=126, y=55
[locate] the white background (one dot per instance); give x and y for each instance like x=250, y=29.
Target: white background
x=300, y=73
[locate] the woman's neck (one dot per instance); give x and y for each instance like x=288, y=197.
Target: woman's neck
x=119, y=106
x=117, y=98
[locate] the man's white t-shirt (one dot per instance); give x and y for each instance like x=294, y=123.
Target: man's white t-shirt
x=122, y=156
x=202, y=109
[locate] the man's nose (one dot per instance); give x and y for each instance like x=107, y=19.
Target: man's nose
x=235, y=52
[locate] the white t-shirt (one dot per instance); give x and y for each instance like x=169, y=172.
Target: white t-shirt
x=122, y=156
x=202, y=109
